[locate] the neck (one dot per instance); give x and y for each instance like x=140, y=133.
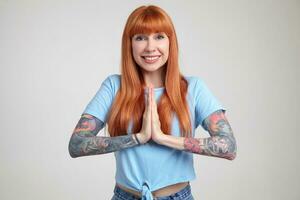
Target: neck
x=156, y=78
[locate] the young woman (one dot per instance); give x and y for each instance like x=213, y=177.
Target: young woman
x=152, y=111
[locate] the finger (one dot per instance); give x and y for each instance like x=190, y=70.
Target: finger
x=153, y=99
x=147, y=107
x=149, y=98
x=153, y=108
x=151, y=90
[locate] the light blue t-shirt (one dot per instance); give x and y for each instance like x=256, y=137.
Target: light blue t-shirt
x=146, y=168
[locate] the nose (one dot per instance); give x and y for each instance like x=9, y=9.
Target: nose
x=150, y=47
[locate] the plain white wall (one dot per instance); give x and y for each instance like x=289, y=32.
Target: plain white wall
x=55, y=54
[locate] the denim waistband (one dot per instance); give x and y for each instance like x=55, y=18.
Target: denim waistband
x=181, y=194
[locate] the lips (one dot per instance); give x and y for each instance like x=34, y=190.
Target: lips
x=151, y=56
x=151, y=59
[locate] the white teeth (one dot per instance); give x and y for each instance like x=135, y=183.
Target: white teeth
x=151, y=58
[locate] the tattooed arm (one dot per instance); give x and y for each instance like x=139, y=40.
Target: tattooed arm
x=84, y=141
x=221, y=143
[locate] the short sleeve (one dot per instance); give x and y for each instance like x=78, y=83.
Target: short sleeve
x=205, y=102
x=100, y=104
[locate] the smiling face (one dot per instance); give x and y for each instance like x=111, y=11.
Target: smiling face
x=150, y=52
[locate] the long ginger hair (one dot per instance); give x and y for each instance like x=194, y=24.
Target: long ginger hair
x=129, y=101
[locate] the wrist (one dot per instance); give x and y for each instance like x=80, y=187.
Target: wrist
x=163, y=138
x=140, y=138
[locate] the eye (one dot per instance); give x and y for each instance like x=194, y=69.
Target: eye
x=138, y=38
x=161, y=36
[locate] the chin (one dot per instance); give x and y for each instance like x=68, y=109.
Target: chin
x=151, y=69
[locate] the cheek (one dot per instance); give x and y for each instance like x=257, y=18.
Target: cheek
x=137, y=48
x=166, y=52
x=135, y=52
x=165, y=48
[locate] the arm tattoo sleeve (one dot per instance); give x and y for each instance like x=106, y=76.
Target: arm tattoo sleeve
x=221, y=143
x=84, y=141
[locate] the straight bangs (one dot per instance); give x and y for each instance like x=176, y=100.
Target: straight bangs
x=151, y=22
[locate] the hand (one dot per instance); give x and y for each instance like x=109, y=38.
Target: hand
x=156, y=132
x=145, y=133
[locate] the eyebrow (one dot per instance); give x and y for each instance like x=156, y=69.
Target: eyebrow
x=143, y=34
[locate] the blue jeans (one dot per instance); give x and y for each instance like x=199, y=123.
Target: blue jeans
x=183, y=194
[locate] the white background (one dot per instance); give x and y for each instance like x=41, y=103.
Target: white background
x=55, y=54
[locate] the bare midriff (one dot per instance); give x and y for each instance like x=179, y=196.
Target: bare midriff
x=165, y=191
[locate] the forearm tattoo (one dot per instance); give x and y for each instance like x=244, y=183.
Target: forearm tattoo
x=84, y=141
x=221, y=143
